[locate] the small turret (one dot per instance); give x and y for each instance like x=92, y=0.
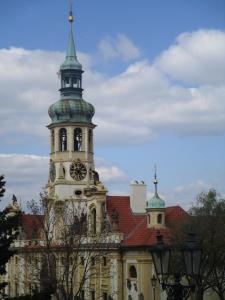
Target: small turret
x=156, y=208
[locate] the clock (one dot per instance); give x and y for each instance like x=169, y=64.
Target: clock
x=52, y=171
x=78, y=171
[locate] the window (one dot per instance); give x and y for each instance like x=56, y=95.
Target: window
x=149, y=219
x=92, y=295
x=62, y=260
x=90, y=140
x=77, y=139
x=76, y=83
x=104, y=261
x=67, y=82
x=92, y=261
x=93, y=221
x=63, y=139
x=16, y=288
x=133, y=272
x=159, y=218
x=105, y=296
x=52, y=139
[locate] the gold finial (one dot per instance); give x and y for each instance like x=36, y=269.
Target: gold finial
x=71, y=18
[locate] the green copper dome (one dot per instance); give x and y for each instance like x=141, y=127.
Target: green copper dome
x=71, y=111
x=156, y=202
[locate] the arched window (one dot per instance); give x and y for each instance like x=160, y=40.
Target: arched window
x=76, y=83
x=133, y=272
x=77, y=139
x=52, y=140
x=159, y=218
x=93, y=214
x=90, y=140
x=66, y=82
x=149, y=219
x=63, y=139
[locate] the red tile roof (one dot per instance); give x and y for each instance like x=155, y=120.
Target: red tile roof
x=134, y=226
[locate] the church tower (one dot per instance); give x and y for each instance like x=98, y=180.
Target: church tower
x=72, y=175
x=71, y=157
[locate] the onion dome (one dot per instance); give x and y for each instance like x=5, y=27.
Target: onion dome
x=68, y=110
x=155, y=201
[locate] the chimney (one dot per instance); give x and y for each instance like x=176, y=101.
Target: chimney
x=138, y=196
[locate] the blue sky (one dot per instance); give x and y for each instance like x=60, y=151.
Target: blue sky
x=154, y=71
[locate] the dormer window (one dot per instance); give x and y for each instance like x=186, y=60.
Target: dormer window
x=63, y=139
x=77, y=139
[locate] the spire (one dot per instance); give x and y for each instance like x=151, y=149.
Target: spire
x=71, y=61
x=156, y=182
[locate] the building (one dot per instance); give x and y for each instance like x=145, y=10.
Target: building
x=111, y=237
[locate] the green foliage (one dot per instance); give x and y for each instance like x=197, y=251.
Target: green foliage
x=8, y=233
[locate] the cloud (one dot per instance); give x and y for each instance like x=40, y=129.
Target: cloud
x=119, y=47
x=26, y=175
x=134, y=106
x=196, y=57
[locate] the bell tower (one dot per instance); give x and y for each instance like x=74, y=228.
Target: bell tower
x=71, y=169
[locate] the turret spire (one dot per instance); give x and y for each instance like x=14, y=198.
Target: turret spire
x=71, y=61
x=156, y=181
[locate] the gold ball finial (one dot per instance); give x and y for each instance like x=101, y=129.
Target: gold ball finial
x=71, y=18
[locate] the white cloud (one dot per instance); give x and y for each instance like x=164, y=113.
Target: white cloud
x=196, y=57
x=119, y=47
x=134, y=106
x=26, y=175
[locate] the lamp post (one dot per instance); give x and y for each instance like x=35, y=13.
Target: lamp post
x=161, y=255
x=154, y=282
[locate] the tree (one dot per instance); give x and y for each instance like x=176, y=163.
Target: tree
x=209, y=223
x=73, y=252
x=207, y=220
x=9, y=222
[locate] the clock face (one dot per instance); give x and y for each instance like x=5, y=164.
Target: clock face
x=78, y=171
x=52, y=171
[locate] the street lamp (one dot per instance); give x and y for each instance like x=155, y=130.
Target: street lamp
x=154, y=282
x=161, y=255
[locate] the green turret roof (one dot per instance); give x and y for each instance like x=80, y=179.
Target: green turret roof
x=71, y=62
x=155, y=201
